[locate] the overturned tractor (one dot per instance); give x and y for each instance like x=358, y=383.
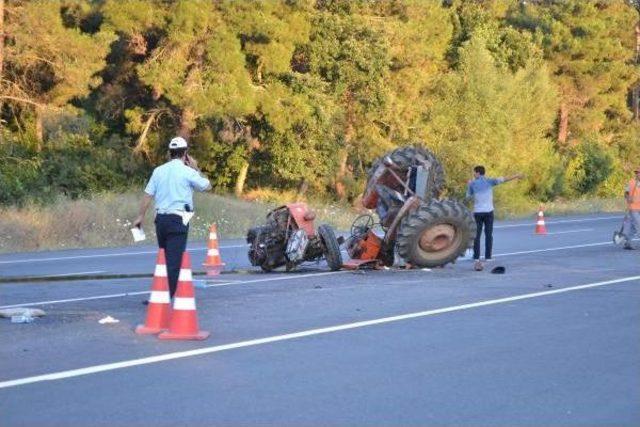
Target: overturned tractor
x=290, y=238
x=404, y=188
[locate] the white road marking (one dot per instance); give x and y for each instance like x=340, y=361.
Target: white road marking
x=61, y=301
x=271, y=279
x=291, y=336
x=80, y=273
x=229, y=283
x=19, y=261
x=119, y=295
x=561, y=248
x=560, y=221
x=579, y=230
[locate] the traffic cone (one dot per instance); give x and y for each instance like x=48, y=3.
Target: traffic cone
x=184, y=319
x=159, y=308
x=540, y=227
x=213, y=263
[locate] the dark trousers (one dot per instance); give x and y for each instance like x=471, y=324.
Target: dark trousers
x=483, y=219
x=172, y=237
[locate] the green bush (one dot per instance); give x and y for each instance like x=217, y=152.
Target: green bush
x=69, y=165
x=20, y=174
x=589, y=166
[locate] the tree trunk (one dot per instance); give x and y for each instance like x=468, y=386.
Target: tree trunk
x=635, y=101
x=39, y=128
x=341, y=190
x=637, y=42
x=563, y=124
x=187, y=123
x=1, y=50
x=141, y=145
x=302, y=189
x=1, y=38
x=242, y=177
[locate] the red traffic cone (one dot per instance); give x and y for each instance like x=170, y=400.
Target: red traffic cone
x=159, y=309
x=540, y=227
x=213, y=263
x=184, y=319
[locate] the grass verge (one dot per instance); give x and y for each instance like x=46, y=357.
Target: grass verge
x=104, y=220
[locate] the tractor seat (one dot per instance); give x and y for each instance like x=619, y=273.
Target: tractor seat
x=309, y=215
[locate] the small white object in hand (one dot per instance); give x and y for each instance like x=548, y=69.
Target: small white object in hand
x=138, y=234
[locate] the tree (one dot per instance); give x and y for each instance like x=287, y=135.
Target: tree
x=48, y=62
x=418, y=35
x=486, y=114
x=353, y=58
x=589, y=47
x=123, y=101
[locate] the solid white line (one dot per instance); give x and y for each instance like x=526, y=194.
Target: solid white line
x=61, y=301
x=571, y=231
x=119, y=295
x=69, y=274
x=19, y=261
x=311, y=332
x=561, y=248
x=560, y=221
x=273, y=279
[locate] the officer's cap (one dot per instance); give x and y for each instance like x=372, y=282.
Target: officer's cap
x=177, y=142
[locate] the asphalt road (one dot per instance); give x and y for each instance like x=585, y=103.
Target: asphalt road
x=553, y=342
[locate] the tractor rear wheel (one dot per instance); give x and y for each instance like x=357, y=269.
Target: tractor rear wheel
x=331, y=247
x=436, y=233
x=405, y=157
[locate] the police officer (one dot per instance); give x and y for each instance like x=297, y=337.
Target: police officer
x=171, y=188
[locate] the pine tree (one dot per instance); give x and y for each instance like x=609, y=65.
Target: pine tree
x=48, y=61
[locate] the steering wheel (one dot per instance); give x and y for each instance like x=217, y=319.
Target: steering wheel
x=361, y=225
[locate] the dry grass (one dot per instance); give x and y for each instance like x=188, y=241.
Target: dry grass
x=105, y=219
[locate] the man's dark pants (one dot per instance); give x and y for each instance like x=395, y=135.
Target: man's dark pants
x=172, y=237
x=483, y=219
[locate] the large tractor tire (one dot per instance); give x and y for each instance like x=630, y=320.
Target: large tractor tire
x=404, y=158
x=436, y=233
x=331, y=247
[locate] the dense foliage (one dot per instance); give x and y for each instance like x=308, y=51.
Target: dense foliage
x=302, y=94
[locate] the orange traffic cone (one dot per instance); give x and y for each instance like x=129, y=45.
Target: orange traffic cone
x=184, y=319
x=213, y=263
x=540, y=227
x=159, y=309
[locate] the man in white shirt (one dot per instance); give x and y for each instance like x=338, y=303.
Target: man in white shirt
x=171, y=188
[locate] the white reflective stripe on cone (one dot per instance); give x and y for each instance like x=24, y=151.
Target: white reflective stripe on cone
x=161, y=270
x=184, y=303
x=213, y=236
x=159, y=297
x=213, y=252
x=540, y=223
x=185, y=275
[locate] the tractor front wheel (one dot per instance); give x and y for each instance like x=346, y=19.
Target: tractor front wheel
x=436, y=233
x=331, y=248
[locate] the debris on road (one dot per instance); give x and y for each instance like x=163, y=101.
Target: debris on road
x=108, y=319
x=498, y=270
x=21, y=311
